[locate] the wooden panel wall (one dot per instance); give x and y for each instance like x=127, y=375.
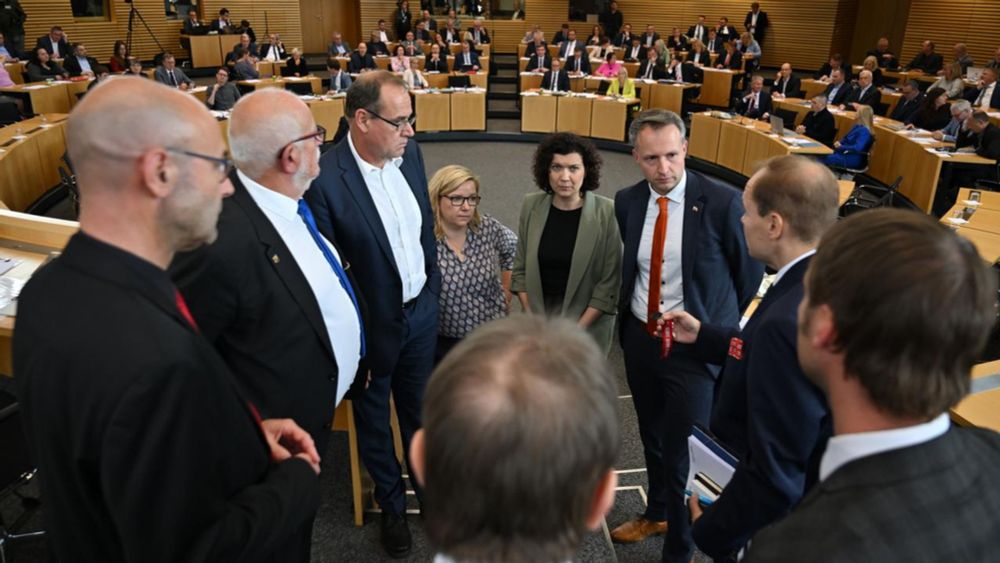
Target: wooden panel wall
x=803, y=33
x=946, y=22
x=100, y=36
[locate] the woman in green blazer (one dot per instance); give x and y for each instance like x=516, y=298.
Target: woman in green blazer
x=569, y=251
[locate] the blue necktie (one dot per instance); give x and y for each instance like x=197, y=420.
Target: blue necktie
x=310, y=221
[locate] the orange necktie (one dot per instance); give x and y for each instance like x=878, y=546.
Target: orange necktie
x=656, y=266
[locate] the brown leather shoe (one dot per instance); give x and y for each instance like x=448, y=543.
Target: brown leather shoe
x=637, y=530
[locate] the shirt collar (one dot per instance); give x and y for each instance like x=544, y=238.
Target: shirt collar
x=279, y=204
x=784, y=269
x=675, y=195
x=365, y=166
x=843, y=449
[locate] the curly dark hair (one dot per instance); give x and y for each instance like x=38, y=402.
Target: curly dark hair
x=567, y=143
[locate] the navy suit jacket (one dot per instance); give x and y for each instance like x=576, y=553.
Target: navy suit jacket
x=345, y=212
x=994, y=99
x=563, y=80
x=766, y=412
x=584, y=64
x=720, y=279
x=743, y=107
x=46, y=42
x=460, y=61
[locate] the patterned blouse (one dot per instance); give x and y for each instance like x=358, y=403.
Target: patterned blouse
x=471, y=293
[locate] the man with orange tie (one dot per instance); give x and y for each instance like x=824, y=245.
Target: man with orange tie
x=684, y=250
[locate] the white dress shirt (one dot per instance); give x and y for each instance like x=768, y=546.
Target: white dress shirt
x=383, y=37
x=272, y=54
x=85, y=64
x=678, y=72
x=634, y=53
x=985, y=95
x=672, y=288
x=339, y=315
x=784, y=269
x=569, y=48
x=699, y=32
x=845, y=448
x=401, y=219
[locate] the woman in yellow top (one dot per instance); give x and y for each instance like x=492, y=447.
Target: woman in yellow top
x=622, y=86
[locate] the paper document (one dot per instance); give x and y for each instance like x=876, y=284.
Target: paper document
x=709, y=459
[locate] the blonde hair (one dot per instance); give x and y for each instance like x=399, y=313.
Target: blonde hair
x=866, y=117
x=444, y=182
x=870, y=59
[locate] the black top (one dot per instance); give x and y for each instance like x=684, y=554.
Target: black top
x=932, y=119
x=555, y=252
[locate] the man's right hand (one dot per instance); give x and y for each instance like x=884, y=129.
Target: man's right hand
x=801, y=129
x=686, y=327
x=287, y=439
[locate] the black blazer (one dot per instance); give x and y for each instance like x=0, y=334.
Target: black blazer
x=634, y=54
x=764, y=105
x=45, y=42
x=563, y=81
x=932, y=120
x=533, y=62
x=677, y=44
x=581, y=64
x=988, y=142
x=357, y=62
x=891, y=64
x=973, y=93
x=869, y=98
x=714, y=45
x=720, y=279
x=377, y=48
x=659, y=71
x=282, y=55
x=441, y=65
x=623, y=39
x=192, y=28
x=735, y=61
x=645, y=37
x=146, y=448
x=254, y=304
x=484, y=37
x=693, y=29
x=790, y=88
x=842, y=93
x=345, y=212
x=72, y=65
x=928, y=502
x=930, y=64
x=291, y=68
x=821, y=126
x=459, y=63
x=762, y=24
x=703, y=57
x=906, y=109
x=826, y=69
x=768, y=413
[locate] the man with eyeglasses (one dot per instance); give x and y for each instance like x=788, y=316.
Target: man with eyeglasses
x=371, y=197
x=147, y=448
x=222, y=95
x=275, y=298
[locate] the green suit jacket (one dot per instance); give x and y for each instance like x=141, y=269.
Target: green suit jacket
x=595, y=271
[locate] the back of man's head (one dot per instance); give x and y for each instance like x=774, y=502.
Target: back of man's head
x=257, y=133
x=912, y=304
x=802, y=191
x=520, y=435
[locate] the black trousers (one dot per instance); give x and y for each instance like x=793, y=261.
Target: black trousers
x=670, y=396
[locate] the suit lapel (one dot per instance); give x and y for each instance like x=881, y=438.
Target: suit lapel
x=277, y=254
x=583, y=250
x=694, y=208
x=634, y=221
x=351, y=175
x=538, y=216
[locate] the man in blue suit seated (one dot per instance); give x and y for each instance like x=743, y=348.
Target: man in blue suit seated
x=684, y=250
x=467, y=60
x=767, y=412
x=371, y=200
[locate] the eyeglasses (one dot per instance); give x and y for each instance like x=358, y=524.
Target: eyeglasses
x=224, y=166
x=399, y=125
x=319, y=136
x=460, y=200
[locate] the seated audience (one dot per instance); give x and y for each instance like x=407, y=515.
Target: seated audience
x=246, y=67
x=376, y=47
x=340, y=80
x=960, y=55
x=479, y=34
x=568, y=47
x=135, y=68
x=926, y=61
x=624, y=37
x=897, y=481
x=529, y=36
x=650, y=68
x=191, y=24
x=54, y=43
x=274, y=50
x=634, y=51
x=222, y=24
x=995, y=61
x=420, y=34
x=650, y=37
x=663, y=54
x=435, y=62
x=9, y=52
x=883, y=55
x=756, y=103
x=557, y=79
x=246, y=46
x=411, y=46
x=726, y=32
x=714, y=44
x=871, y=64
x=222, y=95
x=699, y=30
x=596, y=33
x=338, y=47
x=539, y=61
x=786, y=85
x=561, y=35
x=951, y=80
x=119, y=58
x=413, y=79
x=535, y=393
x=610, y=67
x=475, y=255
x=79, y=64
x=985, y=139
x=864, y=94
x=698, y=56
x=41, y=67
x=909, y=104
x=101, y=73
x=621, y=85
x=934, y=114
x=5, y=79
x=400, y=62
x=677, y=42
x=850, y=151
x=956, y=128
x=468, y=60
x=838, y=90
x=766, y=412
x=750, y=50
x=819, y=123
x=986, y=96
x=836, y=62
x=579, y=63
x=296, y=65
x=731, y=59
x=450, y=35
x=245, y=28
x=361, y=60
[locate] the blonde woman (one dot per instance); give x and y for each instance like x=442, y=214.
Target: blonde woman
x=471, y=249
x=622, y=85
x=951, y=81
x=662, y=53
x=848, y=152
x=871, y=64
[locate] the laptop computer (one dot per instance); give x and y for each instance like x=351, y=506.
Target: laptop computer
x=974, y=73
x=777, y=125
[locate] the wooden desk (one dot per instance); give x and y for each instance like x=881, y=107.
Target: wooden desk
x=530, y=81
x=609, y=116
x=29, y=165
x=986, y=243
x=979, y=409
x=844, y=187
x=440, y=80
x=741, y=144
x=468, y=111
x=16, y=71
x=800, y=106
x=667, y=96
x=42, y=97
x=433, y=111
x=980, y=219
x=717, y=87
x=316, y=84
x=327, y=112
x=573, y=114
x=31, y=239
x=812, y=88
x=987, y=200
x=538, y=113
x=704, y=141
x=206, y=50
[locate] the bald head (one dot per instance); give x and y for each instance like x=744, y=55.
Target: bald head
x=259, y=139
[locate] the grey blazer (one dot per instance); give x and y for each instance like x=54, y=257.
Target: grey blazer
x=595, y=272
x=162, y=77
x=935, y=501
